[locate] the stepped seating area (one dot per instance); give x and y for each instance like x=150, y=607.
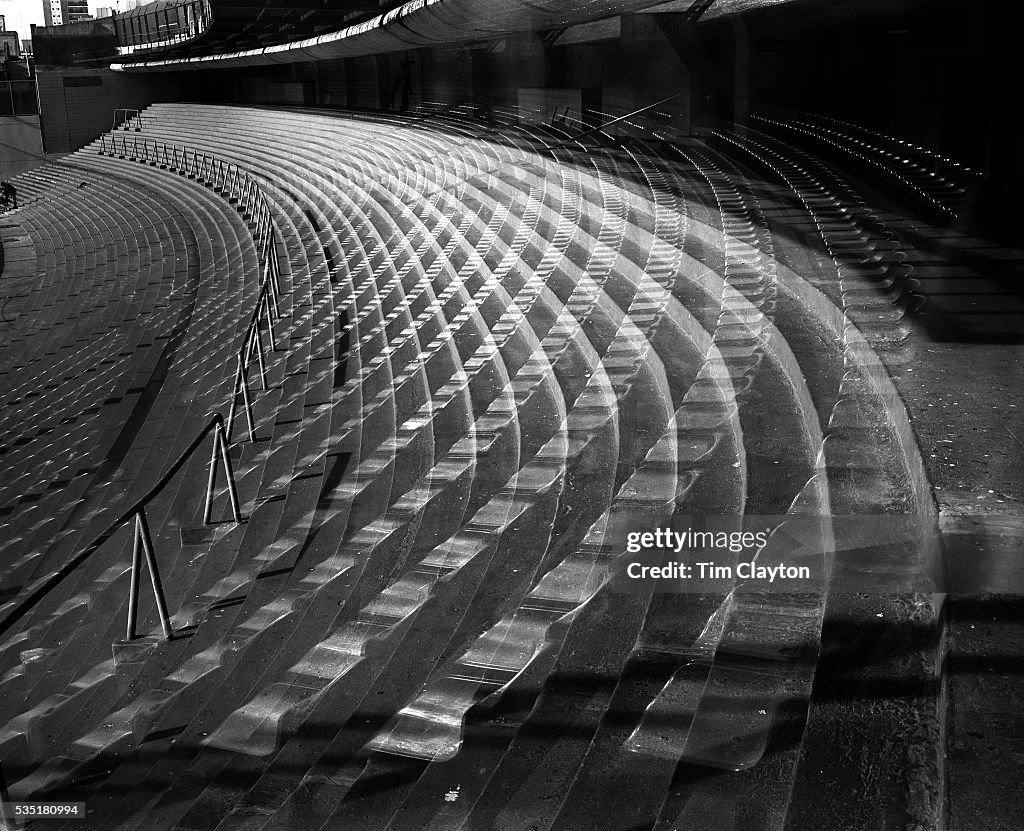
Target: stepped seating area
x=502, y=350
x=937, y=181
x=104, y=376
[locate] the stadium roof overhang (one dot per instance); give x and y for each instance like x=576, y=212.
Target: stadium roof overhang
x=415, y=24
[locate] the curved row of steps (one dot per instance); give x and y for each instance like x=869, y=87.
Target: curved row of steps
x=939, y=181
x=138, y=335
x=180, y=507
x=516, y=350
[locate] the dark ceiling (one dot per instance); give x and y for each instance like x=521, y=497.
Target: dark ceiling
x=252, y=24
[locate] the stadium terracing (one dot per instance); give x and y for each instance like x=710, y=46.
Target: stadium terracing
x=341, y=446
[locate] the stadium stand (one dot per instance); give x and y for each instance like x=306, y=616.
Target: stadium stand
x=391, y=398
x=489, y=332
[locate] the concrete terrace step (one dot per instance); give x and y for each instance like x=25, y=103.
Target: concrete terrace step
x=214, y=317
x=218, y=317
x=545, y=349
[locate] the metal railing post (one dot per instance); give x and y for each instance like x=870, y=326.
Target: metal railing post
x=154, y=574
x=241, y=386
x=268, y=281
x=260, y=229
x=270, y=319
x=211, y=484
x=275, y=262
x=133, y=584
x=234, y=402
x=143, y=546
x=229, y=473
x=256, y=338
x=220, y=453
x=247, y=401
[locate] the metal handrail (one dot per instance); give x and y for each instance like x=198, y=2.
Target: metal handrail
x=124, y=117
x=253, y=340
x=601, y=127
x=143, y=539
x=238, y=185
x=227, y=177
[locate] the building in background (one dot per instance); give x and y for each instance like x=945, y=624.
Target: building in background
x=52, y=13
x=60, y=12
x=10, y=45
